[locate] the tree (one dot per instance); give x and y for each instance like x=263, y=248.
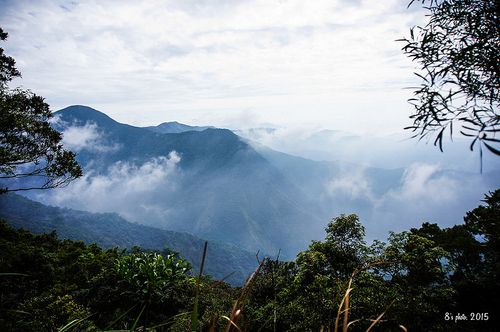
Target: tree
x=472, y=260
x=458, y=52
x=342, y=252
x=31, y=153
x=418, y=282
x=484, y=222
x=325, y=268
x=272, y=304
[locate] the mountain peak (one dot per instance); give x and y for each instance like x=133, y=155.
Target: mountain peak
x=83, y=114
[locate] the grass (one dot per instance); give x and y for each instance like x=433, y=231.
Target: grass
x=194, y=318
x=239, y=304
x=344, y=307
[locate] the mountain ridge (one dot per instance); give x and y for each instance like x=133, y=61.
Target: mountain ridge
x=223, y=189
x=174, y=127
x=109, y=230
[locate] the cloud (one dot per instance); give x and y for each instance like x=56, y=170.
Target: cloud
x=423, y=181
x=428, y=193
x=352, y=183
x=137, y=192
x=78, y=137
x=389, y=151
x=314, y=61
x=424, y=192
x=86, y=137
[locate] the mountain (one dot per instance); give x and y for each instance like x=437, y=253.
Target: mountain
x=110, y=230
x=218, y=186
x=175, y=127
x=215, y=185
x=385, y=199
x=200, y=150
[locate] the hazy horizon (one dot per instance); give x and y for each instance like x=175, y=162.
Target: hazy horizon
x=390, y=187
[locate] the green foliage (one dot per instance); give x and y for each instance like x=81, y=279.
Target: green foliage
x=59, y=281
x=152, y=274
x=477, y=276
x=419, y=281
x=458, y=52
x=340, y=254
x=48, y=312
x=29, y=146
x=215, y=300
x=414, y=279
x=305, y=295
x=272, y=303
x=59, y=277
x=485, y=221
x=158, y=285
x=8, y=69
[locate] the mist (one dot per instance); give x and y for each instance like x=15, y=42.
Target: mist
x=423, y=193
x=391, y=150
x=261, y=198
x=139, y=193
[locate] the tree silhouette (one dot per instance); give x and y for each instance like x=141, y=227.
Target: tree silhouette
x=31, y=153
x=458, y=52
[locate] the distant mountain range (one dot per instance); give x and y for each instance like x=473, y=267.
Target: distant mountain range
x=109, y=230
x=213, y=184
x=175, y=127
x=395, y=150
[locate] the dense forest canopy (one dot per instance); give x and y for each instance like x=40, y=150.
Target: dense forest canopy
x=421, y=279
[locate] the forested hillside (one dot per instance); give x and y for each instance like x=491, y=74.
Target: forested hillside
x=424, y=279
x=109, y=230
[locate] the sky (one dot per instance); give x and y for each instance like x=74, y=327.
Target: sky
x=232, y=63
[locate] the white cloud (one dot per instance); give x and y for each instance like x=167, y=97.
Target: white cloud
x=428, y=193
x=425, y=193
x=389, y=151
x=320, y=61
x=137, y=192
x=422, y=181
x=86, y=137
x=351, y=183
